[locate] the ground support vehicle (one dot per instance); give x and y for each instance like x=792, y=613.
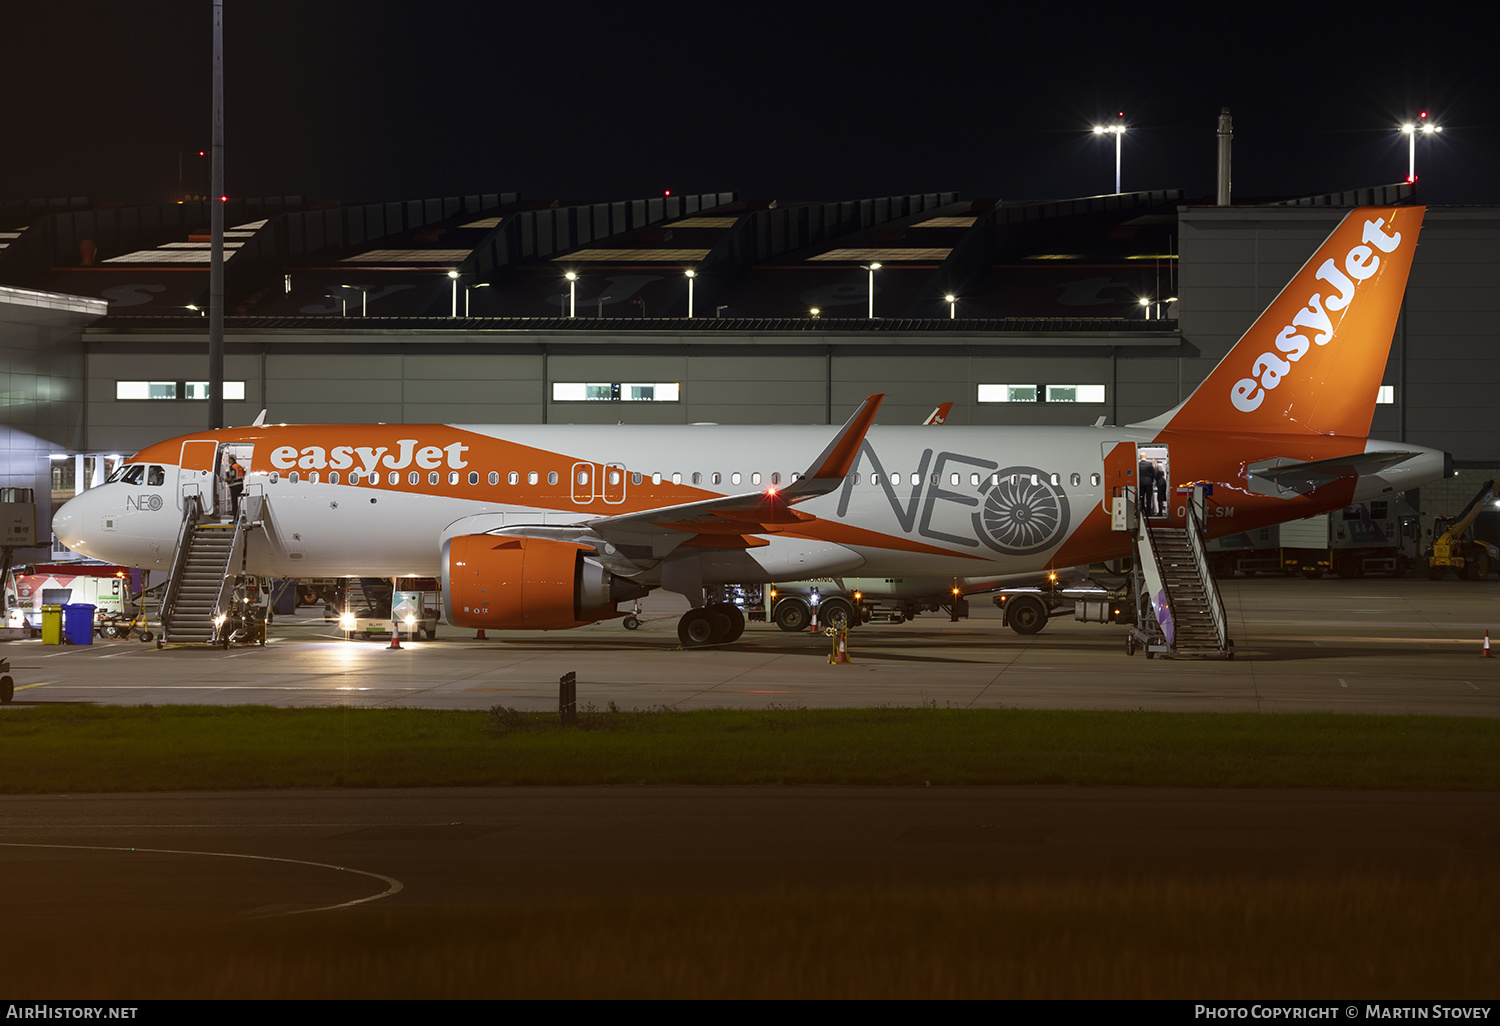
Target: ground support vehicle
x=1453, y=548
x=369, y=604
x=1379, y=536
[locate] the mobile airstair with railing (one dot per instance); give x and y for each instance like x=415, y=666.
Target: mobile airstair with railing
x=199, y=605
x=1179, y=611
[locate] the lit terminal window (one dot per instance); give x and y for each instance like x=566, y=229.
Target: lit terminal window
x=1007, y=393
x=1386, y=396
x=233, y=390
x=1075, y=393
x=615, y=391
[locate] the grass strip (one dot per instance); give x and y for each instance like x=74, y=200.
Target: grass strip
x=152, y=748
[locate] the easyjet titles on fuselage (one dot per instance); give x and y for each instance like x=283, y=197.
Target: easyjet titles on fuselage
x=1360, y=263
x=371, y=458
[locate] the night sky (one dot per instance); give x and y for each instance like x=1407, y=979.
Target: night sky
x=337, y=100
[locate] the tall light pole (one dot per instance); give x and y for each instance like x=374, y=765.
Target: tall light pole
x=470, y=288
x=453, y=275
x=216, y=229
x=952, y=302
x=1421, y=127
x=691, y=274
x=1118, y=131
x=872, y=269
x=572, y=277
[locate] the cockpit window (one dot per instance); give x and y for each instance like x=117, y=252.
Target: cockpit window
x=134, y=473
x=116, y=475
x=155, y=476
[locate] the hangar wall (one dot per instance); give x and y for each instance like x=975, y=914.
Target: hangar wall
x=351, y=376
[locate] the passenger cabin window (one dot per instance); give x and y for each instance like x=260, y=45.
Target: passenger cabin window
x=395, y=477
x=453, y=477
x=755, y=479
x=513, y=478
x=697, y=478
x=552, y=477
x=333, y=477
x=717, y=477
x=734, y=478
x=1094, y=480
x=1076, y=480
x=433, y=478
x=531, y=478
x=473, y=477
x=415, y=477
x=494, y=477
x=294, y=477
x=354, y=477
x=677, y=479
x=313, y=477
x=776, y=479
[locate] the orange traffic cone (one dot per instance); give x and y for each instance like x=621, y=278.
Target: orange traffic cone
x=1487, y=653
x=395, y=639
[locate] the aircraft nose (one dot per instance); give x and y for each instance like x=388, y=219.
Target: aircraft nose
x=71, y=523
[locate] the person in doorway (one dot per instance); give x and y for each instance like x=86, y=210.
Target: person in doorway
x=1161, y=489
x=1146, y=489
x=235, y=478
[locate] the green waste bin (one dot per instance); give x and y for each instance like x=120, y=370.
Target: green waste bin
x=52, y=625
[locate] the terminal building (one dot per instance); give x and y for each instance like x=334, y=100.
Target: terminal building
x=496, y=308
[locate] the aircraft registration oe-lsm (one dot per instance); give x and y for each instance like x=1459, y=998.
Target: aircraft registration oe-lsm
x=541, y=527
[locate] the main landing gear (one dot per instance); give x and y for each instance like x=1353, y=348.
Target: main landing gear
x=715, y=624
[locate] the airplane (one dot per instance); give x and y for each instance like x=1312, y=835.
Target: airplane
x=551, y=526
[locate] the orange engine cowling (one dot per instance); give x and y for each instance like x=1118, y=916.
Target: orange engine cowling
x=533, y=584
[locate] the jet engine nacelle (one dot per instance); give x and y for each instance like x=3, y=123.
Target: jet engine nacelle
x=507, y=583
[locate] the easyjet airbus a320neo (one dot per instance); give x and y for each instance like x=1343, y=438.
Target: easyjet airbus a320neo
x=550, y=526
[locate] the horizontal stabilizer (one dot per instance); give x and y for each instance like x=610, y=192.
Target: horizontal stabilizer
x=1280, y=477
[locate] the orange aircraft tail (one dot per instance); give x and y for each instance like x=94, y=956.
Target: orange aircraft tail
x=1312, y=362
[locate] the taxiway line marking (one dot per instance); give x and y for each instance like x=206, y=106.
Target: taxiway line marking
x=393, y=886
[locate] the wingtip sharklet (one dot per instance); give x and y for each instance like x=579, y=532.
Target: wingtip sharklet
x=832, y=465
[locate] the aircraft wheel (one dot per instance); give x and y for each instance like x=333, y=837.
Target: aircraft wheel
x=696, y=628
x=1477, y=566
x=729, y=621
x=146, y=636
x=1026, y=614
x=7, y=689
x=835, y=612
x=792, y=615
x=630, y=623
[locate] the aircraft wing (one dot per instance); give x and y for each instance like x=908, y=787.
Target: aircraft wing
x=732, y=521
x=1277, y=477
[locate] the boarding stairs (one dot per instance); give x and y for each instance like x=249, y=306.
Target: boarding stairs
x=204, y=582
x=1180, y=611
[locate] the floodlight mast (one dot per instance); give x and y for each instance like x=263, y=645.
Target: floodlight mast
x=1118, y=131
x=216, y=222
x=1421, y=127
